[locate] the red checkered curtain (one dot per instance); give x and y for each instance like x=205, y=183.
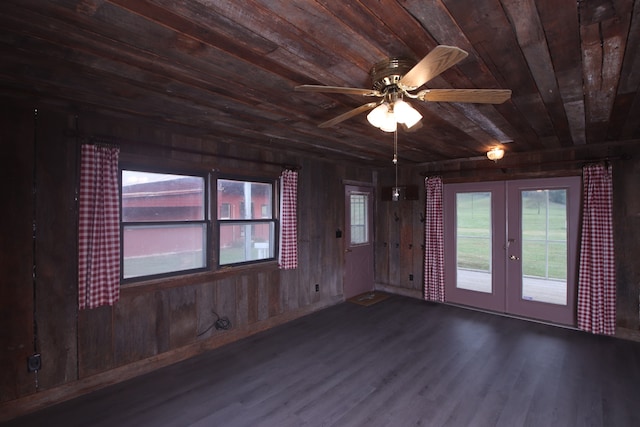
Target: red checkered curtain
x=288, y=257
x=596, y=277
x=434, y=241
x=98, y=227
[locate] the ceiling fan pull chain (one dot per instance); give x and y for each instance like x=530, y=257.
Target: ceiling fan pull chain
x=395, y=194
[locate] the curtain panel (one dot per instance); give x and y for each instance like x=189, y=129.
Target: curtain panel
x=288, y=256
x=596, y=276
x=98, y=227
x=434, y=241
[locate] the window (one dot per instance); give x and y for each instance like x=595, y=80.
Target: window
x=249, y=235
x=163, y=224
x=359, y=220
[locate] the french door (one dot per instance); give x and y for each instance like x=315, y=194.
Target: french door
x=511, y=246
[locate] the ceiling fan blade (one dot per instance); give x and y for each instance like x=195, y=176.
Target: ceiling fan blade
x=411, y=129
x=337, y=89
x=438, y=60
x=478, y=96
x=348, y=115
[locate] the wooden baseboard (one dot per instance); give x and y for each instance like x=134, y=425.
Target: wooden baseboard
x=628, y=334
x=396, y=290
x=42, y=399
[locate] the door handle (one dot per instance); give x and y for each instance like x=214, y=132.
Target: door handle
x=513, y=258
x=348, y=250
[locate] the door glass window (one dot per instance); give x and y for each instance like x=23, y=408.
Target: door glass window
x=544, y=246
x=473, y=241
x=359, y=218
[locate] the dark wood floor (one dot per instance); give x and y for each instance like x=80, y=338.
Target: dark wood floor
x=402, y=362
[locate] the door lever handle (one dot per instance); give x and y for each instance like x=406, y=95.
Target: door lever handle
x=513, y=258
x=348, y=250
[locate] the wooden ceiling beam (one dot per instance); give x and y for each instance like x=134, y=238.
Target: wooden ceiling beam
x=524, y=18
x=561, y=28
x=603, y=31
x=626, y=108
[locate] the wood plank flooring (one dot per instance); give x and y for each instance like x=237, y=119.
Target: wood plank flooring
x=401, y=362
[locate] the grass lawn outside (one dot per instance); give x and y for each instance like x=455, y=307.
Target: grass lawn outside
x=544, y=233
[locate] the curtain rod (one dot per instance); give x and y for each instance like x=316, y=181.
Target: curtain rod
x=113, y=141
x=504, y=169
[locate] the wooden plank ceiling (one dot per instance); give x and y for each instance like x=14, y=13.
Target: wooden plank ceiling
x=227, y=69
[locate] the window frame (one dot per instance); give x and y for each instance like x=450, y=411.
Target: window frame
x=205, y=221
x=274, y=219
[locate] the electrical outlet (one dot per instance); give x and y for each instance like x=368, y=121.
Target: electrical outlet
x=411, y=277
x=317, y=287
x=34, y=363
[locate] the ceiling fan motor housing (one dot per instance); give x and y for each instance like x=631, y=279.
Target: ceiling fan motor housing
x=388, y=73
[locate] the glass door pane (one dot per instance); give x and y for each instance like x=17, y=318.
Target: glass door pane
x=359, y=218
x=544, y=245
x=473, y=241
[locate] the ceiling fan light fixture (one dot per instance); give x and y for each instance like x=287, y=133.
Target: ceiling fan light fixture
x=387, y=119
x=406, y=114
x=378, y=115
x=389, y=124
x=383, y=118
x=495, y=154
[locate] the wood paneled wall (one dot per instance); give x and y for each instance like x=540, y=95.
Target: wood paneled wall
x=399, y=235
x=157, y=322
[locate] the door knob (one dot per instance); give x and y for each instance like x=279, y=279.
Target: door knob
x=513, y=258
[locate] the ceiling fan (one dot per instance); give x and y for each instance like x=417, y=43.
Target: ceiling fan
x=395, y=79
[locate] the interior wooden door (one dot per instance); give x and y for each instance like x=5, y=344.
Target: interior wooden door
x=358, y=276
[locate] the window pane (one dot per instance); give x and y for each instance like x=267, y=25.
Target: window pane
x=149, y=197
x=240, y=194
x=473, y=241
x=158, y=249
x=359, y=220
x=544, y=246
x=246, y=242
x=225, y=211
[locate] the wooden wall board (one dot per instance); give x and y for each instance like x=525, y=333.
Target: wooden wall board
x=56, y=250
x=626, y=220
x=16, y=248
x=96, y=350
x=183, y=313
x=138, y=327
